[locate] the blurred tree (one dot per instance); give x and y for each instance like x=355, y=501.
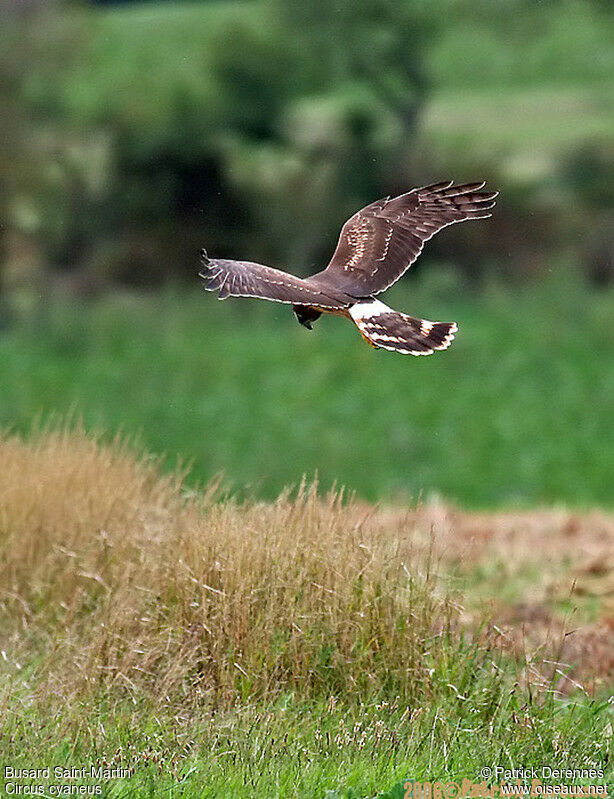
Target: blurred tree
x=587, y=178
x=324, y=108
x=288, y=106
x=18, y=165
x=40, y=160
x=138, y=133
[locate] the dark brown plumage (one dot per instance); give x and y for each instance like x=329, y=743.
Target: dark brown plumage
x=376, y=247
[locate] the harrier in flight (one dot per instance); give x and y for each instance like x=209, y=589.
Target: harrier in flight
x=376, y=247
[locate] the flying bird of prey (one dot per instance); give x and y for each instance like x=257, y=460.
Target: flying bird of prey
x=376, y=247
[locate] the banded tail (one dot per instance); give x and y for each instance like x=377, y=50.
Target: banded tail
x=384, y=327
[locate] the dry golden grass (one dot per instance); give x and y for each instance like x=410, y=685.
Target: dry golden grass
x=116, y=578
x=281, y=648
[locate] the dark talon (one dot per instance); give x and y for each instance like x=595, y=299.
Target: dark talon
x=306, y=315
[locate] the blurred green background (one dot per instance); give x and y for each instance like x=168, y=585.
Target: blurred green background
x=135, y=133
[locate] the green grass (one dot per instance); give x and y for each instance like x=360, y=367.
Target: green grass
x=302, y=648
x=526, y=131
x=520, y=92
x=517, y=412
x=296, y=750
x=556, y=43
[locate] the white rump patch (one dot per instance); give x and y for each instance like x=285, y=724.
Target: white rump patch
x=365, y=310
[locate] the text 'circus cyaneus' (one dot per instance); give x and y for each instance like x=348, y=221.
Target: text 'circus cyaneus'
x=376, y=247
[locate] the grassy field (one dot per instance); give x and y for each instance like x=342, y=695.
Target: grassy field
x=216, y=633
x=517, y=412
x=304, y=647
x=526, y=131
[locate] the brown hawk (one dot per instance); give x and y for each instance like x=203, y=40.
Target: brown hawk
x=376, y=247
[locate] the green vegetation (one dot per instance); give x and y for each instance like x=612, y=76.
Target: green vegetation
x=322, y=749
x=270, y=649
x=520, y=43
x=221, y=639
x=516, y=412
x=157, y=127
x=526, y=131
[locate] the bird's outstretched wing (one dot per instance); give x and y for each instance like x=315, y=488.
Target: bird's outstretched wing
x=379, y=243
x=247, y=279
